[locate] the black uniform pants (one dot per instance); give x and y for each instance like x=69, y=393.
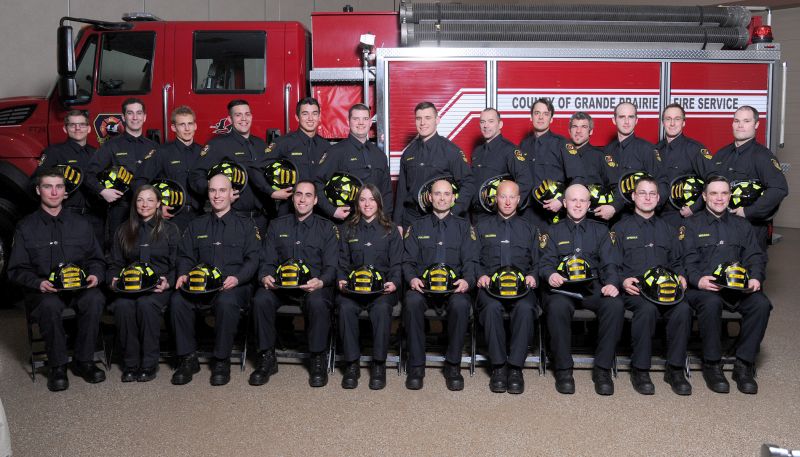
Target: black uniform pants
x=754, y=308
x=643, y=328
x=138, y=320
x=610, y=316
x=458, y=310
x=380, y=314
x=227, y=306
x=46, y=310
x=522, y=316
x=316, y=307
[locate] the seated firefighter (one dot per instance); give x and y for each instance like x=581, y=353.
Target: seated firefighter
x=217, y=258
x=58, y=261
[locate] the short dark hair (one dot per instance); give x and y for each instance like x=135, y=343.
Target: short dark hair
x=649, y=179
x=673, y=105
x=425, y=105
x=635, y=109
x=715, y=178
x=497, y=113
x=49, y=172
x=306, y=101
x=236, y=102
x=182, y=110
x=582, y=116
x=357, y=107
x=547, y=102
x=131, y=101
x=752, y=110
x=305, y=181
x=76, y=113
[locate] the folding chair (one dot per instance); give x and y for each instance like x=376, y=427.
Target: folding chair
x=36, y=351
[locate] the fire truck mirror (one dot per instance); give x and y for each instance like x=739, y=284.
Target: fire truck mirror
x=67, y=87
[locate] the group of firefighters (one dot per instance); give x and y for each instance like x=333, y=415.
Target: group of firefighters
x=238, y=228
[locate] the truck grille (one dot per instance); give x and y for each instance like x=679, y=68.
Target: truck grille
x=16, y=115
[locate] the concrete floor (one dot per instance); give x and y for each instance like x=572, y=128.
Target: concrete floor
x=286, y=417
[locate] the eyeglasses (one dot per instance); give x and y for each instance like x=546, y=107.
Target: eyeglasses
x=77, y=125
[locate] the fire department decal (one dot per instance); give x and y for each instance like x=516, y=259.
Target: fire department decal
x=108, y=125
x=222, y=126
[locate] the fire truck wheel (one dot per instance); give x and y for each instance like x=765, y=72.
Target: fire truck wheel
x=14, y=185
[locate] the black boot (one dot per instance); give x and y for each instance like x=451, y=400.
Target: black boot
x=220, y=372
x=744, y=374
x=318, y=371
x=715, y=379
x=377, y=375
x=498, y=383
x=452, y=376
x=89, y=372
x=565, y=383
x=641, y=382
x=187, y=367
x=57, y=379
x=516, y=382
x=603, y=384
x=351, y=374
x=676, y=378
x=266, y=366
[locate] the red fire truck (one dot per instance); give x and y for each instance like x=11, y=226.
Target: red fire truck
x=461, y=57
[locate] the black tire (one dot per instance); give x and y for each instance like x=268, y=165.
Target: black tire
x=8, y=220
x=15, y=185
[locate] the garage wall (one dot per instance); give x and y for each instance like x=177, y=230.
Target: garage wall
x=29, y=31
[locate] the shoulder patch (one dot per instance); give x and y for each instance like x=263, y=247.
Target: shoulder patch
x=705, y=153
x=777, y=165
x=407, y=232
x=612, y=235
x=610, y=161
x=518, y=155
x=204, y=151
x=149, y=154
x=464, y=156
x=542, y=240
x=472, y=233
x=571, y=149
x=682, y=232
x=42, y=159
x=322, y=159
x=658, y=154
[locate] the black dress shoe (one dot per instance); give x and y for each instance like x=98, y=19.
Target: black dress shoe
x=266, y=366
x=452, y=376
x=415, y=377
x=318, y=371
x=187, y=367
x=744, y=374
x=715, y=379
x=351, y=374
x=89, y=372
x=641, y=382
x=498, y=383
x=603, y=384
x=220, y=372
x=565, y=383
x=147, y=374
x=57, y=379
x=377, y=375
x=129, y=374
x=676, y=378
x=516, y=383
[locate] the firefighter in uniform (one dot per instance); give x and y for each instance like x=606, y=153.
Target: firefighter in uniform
x=175, y=160
x=440, y=237
x=628, y=153
x=429, y=156
x=76, y=152
x=43, y=241
x=550, y=157
x=646, y=241
x=369, y=238
x=229, y=243
x=577, y=235
x=507, y=239
x=745, y=159
x=145, y=237
x=244, y=148
x=680, y=155
x=581, y=127
x=497, y=156
x=129, y=150
x=303, y=147
x=713, y=237
x=314, y=240
x=359, y=157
